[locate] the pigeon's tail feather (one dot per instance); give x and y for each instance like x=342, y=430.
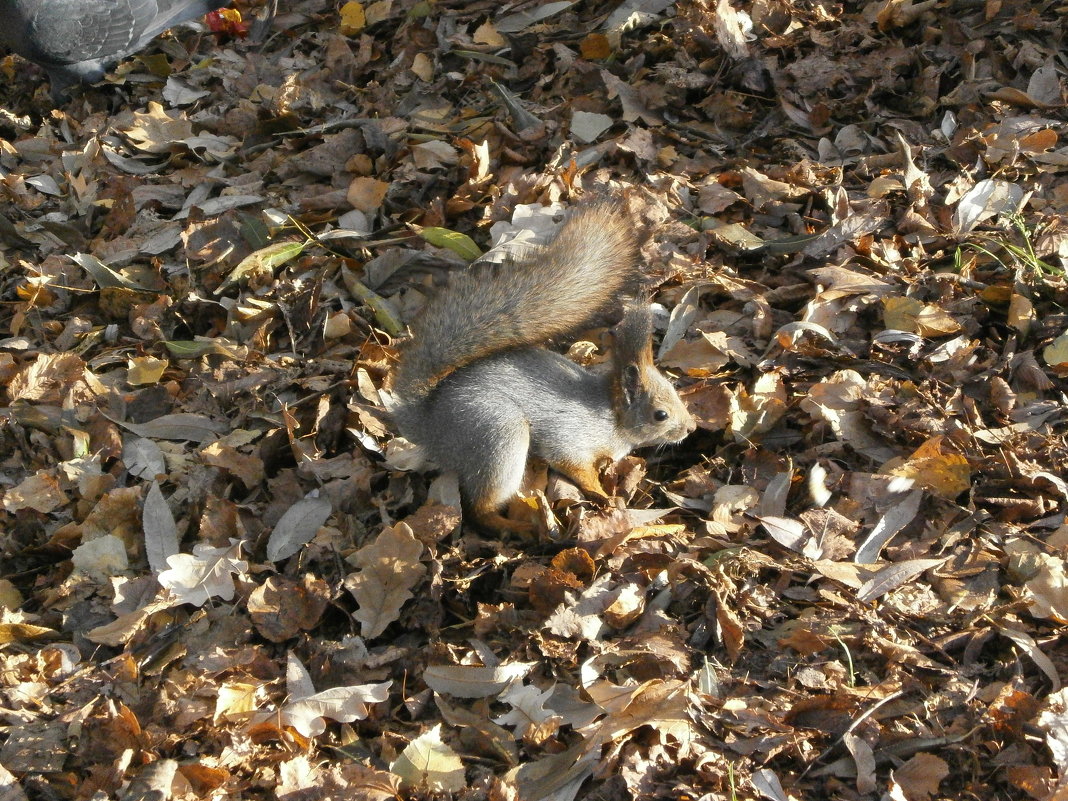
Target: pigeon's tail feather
x=63, y=76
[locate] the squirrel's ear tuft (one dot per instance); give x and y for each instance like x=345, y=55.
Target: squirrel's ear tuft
x=633, y=335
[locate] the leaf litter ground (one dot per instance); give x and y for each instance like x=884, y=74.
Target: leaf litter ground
x=222, y=576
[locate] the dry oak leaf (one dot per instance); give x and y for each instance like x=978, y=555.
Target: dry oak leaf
x=754, y=414
x=40, y=492
x=486, y=34
x=157, y=131
x=205, y=573
x=1049, y=589
x=306, y=708
x=701, y=357
x=1053, y=719
x=528, y=716
x=203, y=778
x=433, y=522
x=428, y=762
x=387, y=570
x=582, y=617
x=909, y=314
x=658, y=703
x=245, y=468
x=367, y=194
x=100, y=558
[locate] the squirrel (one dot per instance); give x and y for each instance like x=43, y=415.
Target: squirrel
x=477, y=390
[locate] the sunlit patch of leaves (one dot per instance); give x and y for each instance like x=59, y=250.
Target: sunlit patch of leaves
x=225, y=575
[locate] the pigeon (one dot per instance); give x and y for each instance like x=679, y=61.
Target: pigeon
x=78, y=40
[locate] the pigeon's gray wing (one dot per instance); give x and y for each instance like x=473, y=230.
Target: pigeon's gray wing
x=169, y=13
x=76, y=40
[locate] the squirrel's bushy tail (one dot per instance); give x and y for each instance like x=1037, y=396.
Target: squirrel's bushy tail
x=551, y=292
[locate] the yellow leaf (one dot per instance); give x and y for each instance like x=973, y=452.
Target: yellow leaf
x=1056, y=354
x=257, y=268
x=909, y=314
x=486, y=34
x=933, y=321
x=376, y=12
x=423, y=67
x=945, y=474
x=20, y=632
x=236, y=700
x=901, y=313
x=143, y=370
x=996, y=295
x=10, y=597
x=1021, y=313
x=353, y=19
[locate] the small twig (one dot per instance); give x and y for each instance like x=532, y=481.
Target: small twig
x=326, y=127
x=860, y=719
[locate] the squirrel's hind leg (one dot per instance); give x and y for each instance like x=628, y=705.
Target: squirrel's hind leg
x=492, y=520
x=491, y=483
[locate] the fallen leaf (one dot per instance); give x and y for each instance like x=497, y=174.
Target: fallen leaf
x=305, y=711
x=427, y=762
x=387, y=571
x=474, y=681
x=920, y=777
x=296, y=527
x=161, y=532
x=204, y=574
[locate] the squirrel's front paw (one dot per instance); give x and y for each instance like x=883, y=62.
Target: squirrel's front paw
x=587, y=478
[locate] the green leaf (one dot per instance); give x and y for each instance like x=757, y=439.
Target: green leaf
x=192, y=349
x=275, y=255
x=264, y=260
x=460, y=244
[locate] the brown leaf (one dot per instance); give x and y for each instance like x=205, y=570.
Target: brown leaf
x=387, y=571
x=577, y=562
x=47, y=378
x=281, y=608
x=367, y=194
x=920, y=777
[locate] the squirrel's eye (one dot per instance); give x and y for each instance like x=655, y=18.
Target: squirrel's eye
x=660, y=415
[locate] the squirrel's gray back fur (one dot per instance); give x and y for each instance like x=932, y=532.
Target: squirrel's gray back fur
x=551, y=292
